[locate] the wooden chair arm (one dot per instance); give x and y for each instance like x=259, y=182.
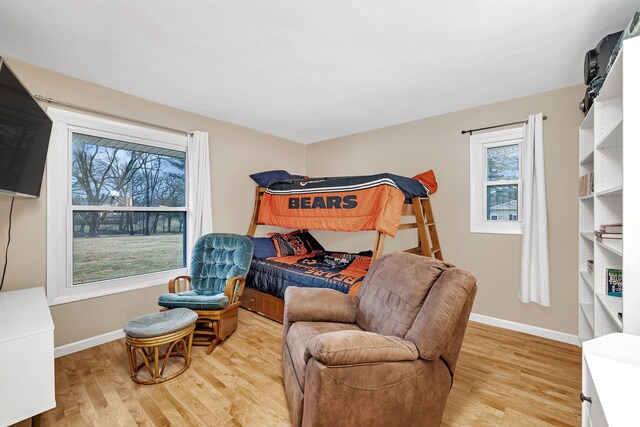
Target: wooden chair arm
x=234, y=288
x=180, y=284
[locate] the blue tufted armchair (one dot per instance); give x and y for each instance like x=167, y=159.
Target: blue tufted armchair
x=219, y=264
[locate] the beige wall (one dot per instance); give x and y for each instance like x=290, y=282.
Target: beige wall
x=437, y=143
x=405, y=149
x=235, y=153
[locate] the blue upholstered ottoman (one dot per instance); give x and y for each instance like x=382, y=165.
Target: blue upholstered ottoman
x=145, y=335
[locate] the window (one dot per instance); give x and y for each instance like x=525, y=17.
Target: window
x=116, y=207
x=496, y=182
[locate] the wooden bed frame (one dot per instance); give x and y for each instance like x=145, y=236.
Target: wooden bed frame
x=428, y=245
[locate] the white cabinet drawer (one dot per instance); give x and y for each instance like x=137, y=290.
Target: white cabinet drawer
x=596, y=415
x=592, y=410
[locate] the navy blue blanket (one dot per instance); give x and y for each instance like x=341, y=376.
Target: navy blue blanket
x=409, y=186
x=341, y=271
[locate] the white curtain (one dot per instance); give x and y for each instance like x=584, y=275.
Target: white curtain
x=534, y=275
x=199, y=221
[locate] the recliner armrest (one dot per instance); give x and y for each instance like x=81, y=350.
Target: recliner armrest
x=318, y=305
x=346, y=348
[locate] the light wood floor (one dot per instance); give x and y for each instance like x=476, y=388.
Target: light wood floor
x=503, y=378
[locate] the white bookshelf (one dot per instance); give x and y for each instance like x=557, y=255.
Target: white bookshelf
x=586, y=245
x=609, y=146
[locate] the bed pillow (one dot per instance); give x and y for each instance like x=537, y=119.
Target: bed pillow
x=263, y=178
x=428, y=178
x=263, y=247
x=297, y=242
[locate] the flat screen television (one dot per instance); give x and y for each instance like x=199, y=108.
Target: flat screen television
x=24, y=137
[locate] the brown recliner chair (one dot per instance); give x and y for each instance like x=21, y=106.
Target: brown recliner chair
x=385, y=357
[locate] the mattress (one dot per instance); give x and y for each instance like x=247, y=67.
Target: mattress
x=341, y=271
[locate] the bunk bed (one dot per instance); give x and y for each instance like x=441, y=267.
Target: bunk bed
x=374, y=202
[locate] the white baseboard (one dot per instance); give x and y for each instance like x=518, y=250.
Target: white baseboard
x=73, y=347
x=527, y=329
x=493, y=321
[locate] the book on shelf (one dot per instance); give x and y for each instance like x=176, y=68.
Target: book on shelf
x=611, y=228
x=614, y=282
x=586, y=184
x=601, y=235
x=590, y=266
x=607, y=239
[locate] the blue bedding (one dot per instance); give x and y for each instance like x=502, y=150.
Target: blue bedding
x=341, y=271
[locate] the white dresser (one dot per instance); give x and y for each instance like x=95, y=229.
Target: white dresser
x=610, y=381
x=27, y=383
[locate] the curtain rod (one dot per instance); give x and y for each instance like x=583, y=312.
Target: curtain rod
x=470, y=131
x=104, y=113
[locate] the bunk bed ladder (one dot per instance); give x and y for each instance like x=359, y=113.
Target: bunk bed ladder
x=428, y=241
x=436, y=250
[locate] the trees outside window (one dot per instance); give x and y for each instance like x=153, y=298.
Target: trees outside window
x=116, y=174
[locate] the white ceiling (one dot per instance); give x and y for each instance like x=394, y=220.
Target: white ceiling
x=309, y=71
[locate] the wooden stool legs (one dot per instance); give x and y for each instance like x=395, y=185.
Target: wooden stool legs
x=179, y=345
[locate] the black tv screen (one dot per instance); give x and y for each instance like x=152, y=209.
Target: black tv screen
x=24, y=137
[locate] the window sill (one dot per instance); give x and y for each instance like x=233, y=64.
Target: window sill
x=57, y=296
x=497, y=228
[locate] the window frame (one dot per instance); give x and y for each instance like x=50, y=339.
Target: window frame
x=479, y=143
x=60, y=288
